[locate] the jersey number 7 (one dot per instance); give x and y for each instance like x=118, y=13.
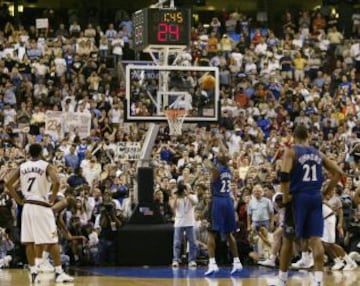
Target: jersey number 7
x=31, y=181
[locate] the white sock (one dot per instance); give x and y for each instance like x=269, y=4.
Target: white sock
x=212, y=260
x=273, y=257
x=38, y=261
x=33, y=269
x=58, y=269
x=236, y=260
x=283, y=275
x=45, y=255
x=319, y=277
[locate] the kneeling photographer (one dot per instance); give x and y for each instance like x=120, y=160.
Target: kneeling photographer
x=7, y=210
x=184, y=208
x=107, y=223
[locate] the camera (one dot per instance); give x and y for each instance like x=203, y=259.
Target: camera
x=107, y=208
x=2, y=186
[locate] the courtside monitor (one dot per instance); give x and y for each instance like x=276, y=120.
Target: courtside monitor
x=150, y=90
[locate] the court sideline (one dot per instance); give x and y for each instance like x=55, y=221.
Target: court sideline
x=165, y=276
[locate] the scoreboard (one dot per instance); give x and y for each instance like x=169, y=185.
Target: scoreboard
x=162, y=27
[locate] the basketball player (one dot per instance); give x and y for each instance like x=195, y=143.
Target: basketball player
x=222, y=214
x=342, y=260
x=301, y=180
x=278, y=233
x=38, y=228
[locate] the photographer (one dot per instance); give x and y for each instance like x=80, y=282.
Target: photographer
x=355, y=155
x=6, y=245
x=7, y=209
x=107, y=223
x=184, y=208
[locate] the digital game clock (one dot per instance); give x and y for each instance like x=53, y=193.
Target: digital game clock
x=161, y=27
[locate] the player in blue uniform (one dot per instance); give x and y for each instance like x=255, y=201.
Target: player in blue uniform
x=222, y=214
x=301, y=179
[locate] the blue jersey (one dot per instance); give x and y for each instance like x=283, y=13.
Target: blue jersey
x=222, y=206
x=306, y=175
x=81, y=150
x=221, y=186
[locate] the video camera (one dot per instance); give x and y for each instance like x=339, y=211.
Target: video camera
x=107, y=208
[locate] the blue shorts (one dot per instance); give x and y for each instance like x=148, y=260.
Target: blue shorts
x=222, y=215
x=309, y=221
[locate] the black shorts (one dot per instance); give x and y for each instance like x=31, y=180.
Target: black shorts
x=289, y=221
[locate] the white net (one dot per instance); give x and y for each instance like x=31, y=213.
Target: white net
x=175, y=118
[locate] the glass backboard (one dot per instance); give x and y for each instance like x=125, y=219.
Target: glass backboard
x=152, y=89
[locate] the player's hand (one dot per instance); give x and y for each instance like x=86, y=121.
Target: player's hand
x=340, y=230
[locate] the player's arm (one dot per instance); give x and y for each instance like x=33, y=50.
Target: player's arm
x=10, y=183
x=59, y=206
x=286, y=166
x=55, y=184
x=340, y=221
x=212, y=169
x=335, y=171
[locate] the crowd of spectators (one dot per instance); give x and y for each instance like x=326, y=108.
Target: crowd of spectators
x=268, y=83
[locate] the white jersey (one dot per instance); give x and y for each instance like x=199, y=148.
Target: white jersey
x=329, y=233
x=33, y=179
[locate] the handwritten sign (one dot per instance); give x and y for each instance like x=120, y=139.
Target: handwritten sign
x=129, y=151
x=53, y=123
x=58, y=122
x=42, y=23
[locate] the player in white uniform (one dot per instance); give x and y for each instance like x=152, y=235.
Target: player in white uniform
x=342, y=260
x=277, y=235
x=38, y=227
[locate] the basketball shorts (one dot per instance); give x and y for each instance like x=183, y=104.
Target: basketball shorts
x=222, y=215
x=38, y=225
x=309, y=221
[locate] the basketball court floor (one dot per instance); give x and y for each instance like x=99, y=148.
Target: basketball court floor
x=165, y=276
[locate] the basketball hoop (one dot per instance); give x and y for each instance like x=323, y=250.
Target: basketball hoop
x=175, y=118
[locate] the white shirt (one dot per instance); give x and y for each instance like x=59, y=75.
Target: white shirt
x=92, y=174
x=233, y=144
x=355, y=51
x=9, y=115
x=115, y=115
x=260, y=49
x=185, y=211
x=238, y=58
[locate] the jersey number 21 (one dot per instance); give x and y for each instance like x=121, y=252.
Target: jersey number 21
x=310, y=173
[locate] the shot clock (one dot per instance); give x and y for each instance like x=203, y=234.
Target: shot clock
x=162, y=27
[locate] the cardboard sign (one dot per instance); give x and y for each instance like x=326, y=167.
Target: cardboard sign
x=54, y=123
x=73, y=122
x=42, y=23
x=129, y=151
